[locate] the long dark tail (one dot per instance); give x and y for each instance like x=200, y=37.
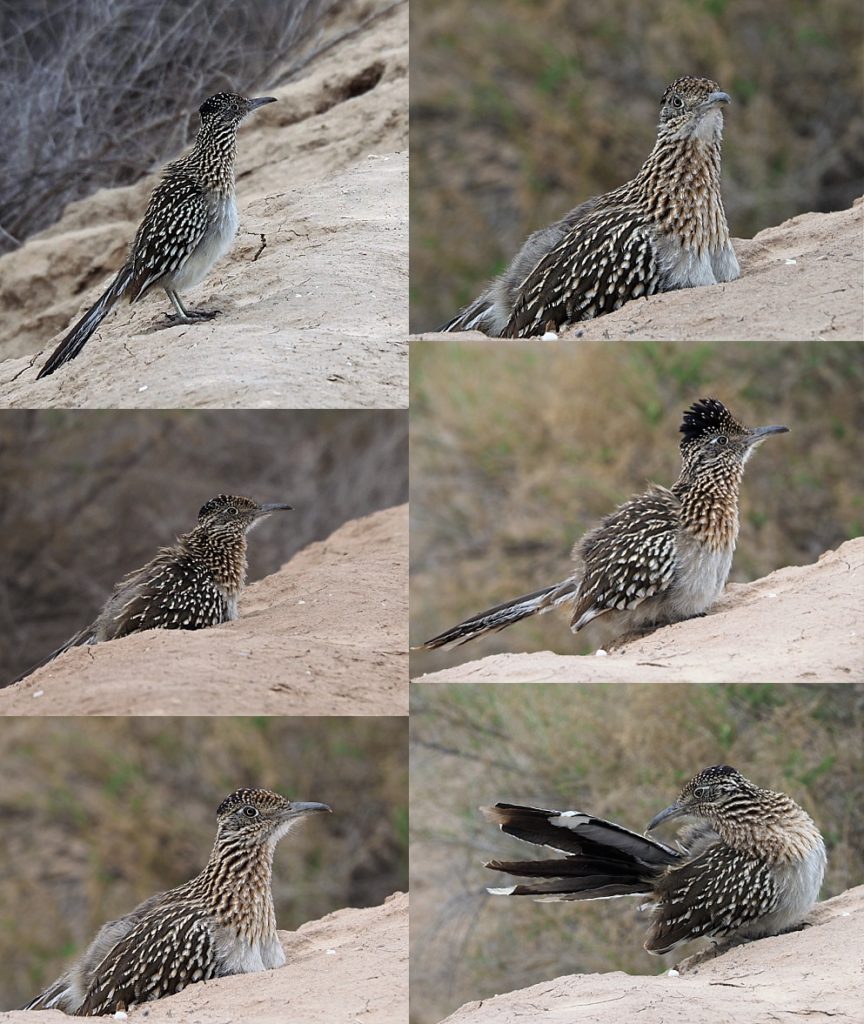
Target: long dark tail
x=504, y=615
x=52, y=998
x=474, y=317
x=77, y=338
x=85, y=636
x=602, y=859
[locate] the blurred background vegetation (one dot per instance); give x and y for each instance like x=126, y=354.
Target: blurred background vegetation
x=520, y=110
x=87, y=496
x=98, y=814
x=620, y=752
x=96, y=94
x=509, y=468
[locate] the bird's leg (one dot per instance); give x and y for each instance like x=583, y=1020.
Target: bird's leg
x=187, y=316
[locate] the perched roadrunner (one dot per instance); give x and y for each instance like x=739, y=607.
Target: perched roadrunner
x=221, y=922
x=190, y=223
x=663, y=230
x=751, y=865
x=194, y=584
x=660, y=557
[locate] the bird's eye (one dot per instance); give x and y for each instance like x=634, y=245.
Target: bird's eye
x=230, y=511
x=700, y=792
x=677, y=102
x=250, y=812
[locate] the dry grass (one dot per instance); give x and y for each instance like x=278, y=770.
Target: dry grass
x=99, y=814
x=517, y=449
x=621, y=752
x=85, y=497
x=521, y=110
x=96, y=94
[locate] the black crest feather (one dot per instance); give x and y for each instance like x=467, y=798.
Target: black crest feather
x=707, y=416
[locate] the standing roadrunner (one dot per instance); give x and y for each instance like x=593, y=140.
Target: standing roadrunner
x=194, y=584
x=190, y=223
x=660, y=557
x=750, y=866
x=663, y=230
x=221, y=922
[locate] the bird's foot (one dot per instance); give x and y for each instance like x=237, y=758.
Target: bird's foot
x=193, y=316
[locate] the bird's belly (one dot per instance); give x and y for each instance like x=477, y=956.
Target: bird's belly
x=700, y=578
x=799, y=888
x=683, y=267
x=239, y=956
x=212, y=247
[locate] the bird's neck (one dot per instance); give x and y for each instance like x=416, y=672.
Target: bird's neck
x=679, y=187
x=213, y=156
x=778, y=830
x=709, y=504
x=238, y=880
x=223, y=553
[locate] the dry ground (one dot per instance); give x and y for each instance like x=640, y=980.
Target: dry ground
x=313, y=293
x=798, y=624
x=811, y=974
x=326, y=635
x=800, y=281
x=352, y=965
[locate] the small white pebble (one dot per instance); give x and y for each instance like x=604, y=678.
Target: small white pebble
x=301, y=601
x=331, y=952
x=672, y=973
x=791, y=263
x=771, y=595
x=601, y=653
x=39, y=693
x=121, y=1015
x=549, y=336
x=142, y=388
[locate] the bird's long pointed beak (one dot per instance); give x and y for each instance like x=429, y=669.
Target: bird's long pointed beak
x=274, y=507
x=716, y=97
x=260, y=101
x=758, y=434
x=673, y=811
x=298, y=808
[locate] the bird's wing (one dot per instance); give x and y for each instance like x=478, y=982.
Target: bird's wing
x=697, y=897
x=174, y=223
x=166, y=951
x=629, y=557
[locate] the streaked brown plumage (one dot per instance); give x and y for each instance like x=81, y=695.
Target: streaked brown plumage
x=749, y=865
x=662, y=556
x=665, y=229
x=189, y=224
x=221, y=922
x=193, y=584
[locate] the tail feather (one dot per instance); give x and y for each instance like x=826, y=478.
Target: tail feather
x=602, y=859
x=53, y=998
x=80, y=639
x=473, y=317
x=503, y=615
x=77, y=338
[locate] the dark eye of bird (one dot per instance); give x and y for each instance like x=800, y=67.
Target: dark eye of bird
x=230, y=511
x=250, y=812
x=721, y=439
x=677, y=101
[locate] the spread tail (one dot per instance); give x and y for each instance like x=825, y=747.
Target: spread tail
x=77, y=338
x=504, y=615
x=601, y=859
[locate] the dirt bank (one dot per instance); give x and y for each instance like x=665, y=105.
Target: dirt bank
x=352, y=965
x=809, y=974
x=326, y=635
x=799, y=624
x=313, y=294
x=800, y=281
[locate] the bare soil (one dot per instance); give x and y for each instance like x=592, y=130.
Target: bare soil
x=313, y=295
x=801, y=624
x=814, y=974
x=800, y=281
x=326, y=635
x=351, y=965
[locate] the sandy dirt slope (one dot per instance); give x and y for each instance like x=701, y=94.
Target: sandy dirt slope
x=812, y=974
x=313, y=293
x=350, y=966
x=800, y=281
x=326, y=635
x=800, y=624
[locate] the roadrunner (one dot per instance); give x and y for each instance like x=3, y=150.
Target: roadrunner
x=190, y=223
x=750, y=864
x=663, y=230
x=193, y=584
x=660, y=557
x=221, y=922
